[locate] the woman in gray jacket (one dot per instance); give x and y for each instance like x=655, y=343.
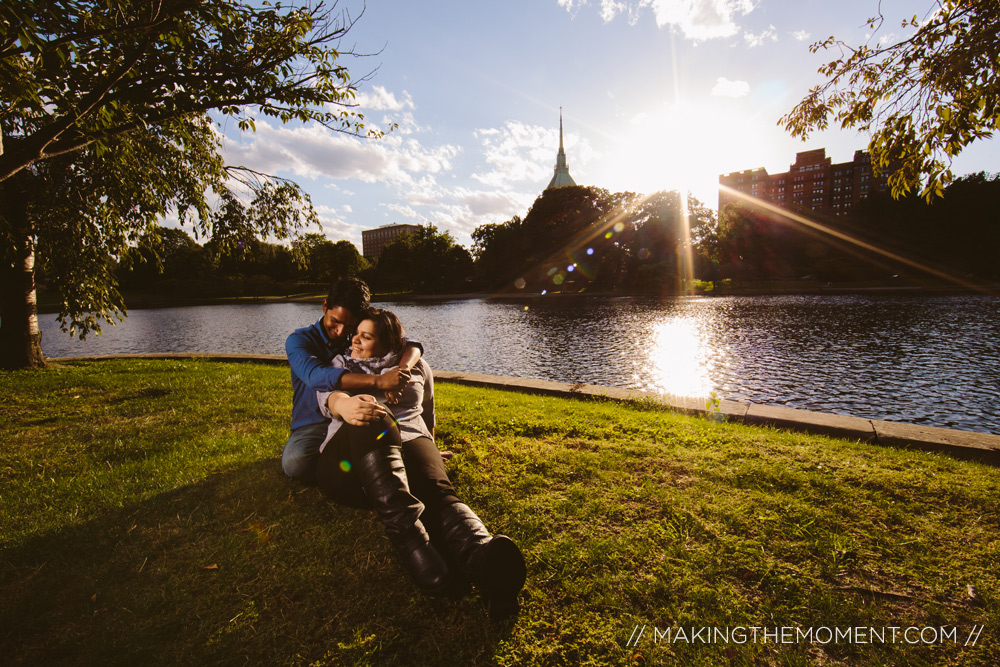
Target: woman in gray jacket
x=394, y=466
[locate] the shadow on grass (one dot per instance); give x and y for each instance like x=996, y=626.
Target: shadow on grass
x=243, y=567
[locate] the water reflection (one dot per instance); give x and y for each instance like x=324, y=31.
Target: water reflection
x=680, y=359
x=931, y=360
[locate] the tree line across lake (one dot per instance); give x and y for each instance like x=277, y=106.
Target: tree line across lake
x=587, y=239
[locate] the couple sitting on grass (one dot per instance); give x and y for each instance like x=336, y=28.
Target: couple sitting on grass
x=363, y=431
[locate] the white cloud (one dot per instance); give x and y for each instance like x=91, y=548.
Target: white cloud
x=405, y=211
x=801, y=35
x=406, y=123
x=517, y=153
x=610, y=9
x=380, y=99
x=336, y=228
x=315, y=152
x=887, y=39
x=726, y=88
x=571, y=5
x=700, y=19
x=461, y=209
x=641, y=118
x=769, y=35
x=399, y=109
x=696, y=19
x=492, y=203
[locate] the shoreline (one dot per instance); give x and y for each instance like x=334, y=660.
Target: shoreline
x=134, y=302
x=969, y=445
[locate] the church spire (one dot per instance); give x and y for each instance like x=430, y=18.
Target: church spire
x=560, y=133
x=561, y=178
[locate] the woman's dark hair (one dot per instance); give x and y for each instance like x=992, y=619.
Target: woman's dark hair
x=351, y=294
x=388, y=329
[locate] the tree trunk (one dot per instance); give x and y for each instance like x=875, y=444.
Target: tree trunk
x=20, y=339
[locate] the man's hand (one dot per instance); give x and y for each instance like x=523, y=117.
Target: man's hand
x=359, y=410
x=393, y=379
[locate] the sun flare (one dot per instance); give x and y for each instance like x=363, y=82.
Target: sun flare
x=678, y=358
x=681, y=146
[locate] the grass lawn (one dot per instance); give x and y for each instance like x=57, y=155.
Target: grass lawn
x=144, y=520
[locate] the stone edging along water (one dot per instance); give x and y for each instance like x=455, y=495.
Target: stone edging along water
x=960, y=444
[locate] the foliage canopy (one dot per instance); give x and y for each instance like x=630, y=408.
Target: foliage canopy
x=426, y=261
x=80, y=72
x=92, y=211
x=922, y=98
x=585, y=238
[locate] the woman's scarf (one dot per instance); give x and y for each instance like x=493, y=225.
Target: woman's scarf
x=371, y=365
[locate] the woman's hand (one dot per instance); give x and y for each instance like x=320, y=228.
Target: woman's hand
x=359, y=410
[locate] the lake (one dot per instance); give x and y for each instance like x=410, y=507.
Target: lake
x=931, y=360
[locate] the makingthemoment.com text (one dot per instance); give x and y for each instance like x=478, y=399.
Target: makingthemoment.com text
x=798, y=635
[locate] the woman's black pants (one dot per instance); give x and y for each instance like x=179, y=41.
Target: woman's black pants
x=425, y=471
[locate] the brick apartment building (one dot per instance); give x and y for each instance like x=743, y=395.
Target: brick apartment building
x=812, y=183
x=374, y=240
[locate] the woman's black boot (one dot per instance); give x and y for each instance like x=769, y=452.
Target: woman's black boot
x=494, y=564
x=383, y=477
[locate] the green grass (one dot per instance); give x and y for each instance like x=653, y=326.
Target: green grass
x=144, y=520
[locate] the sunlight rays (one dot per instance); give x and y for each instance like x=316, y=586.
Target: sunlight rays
x=577, y=253
x=582, y=252
x=788, y=216
x=685, y=251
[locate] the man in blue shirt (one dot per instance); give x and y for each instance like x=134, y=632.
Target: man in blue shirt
x=310, y=350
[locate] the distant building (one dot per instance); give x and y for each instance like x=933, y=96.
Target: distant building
x=561, y=178
x=374, y=240
x=812, y=183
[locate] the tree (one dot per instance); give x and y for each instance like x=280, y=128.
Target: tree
x=494, y=246
x=341, y=260
x=325, y=261
x=749, y=246
x=959, y=234
x=91, y=211
x=660, y=233
x=163, y=253
x=78, y=72
x=425, y=261
x=565, y=227
x=585, y=238
x=923, y=98
x=90, y=89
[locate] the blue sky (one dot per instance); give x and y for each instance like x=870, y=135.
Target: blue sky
x=656, y=95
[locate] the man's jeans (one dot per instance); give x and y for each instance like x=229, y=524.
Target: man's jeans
x=301, y=452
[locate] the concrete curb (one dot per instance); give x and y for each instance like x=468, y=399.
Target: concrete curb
x=969, y=445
